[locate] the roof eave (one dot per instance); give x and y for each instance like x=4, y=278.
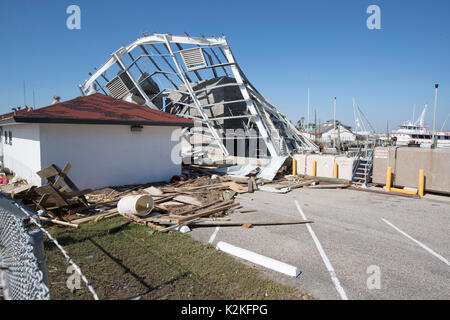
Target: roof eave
x=19, y=119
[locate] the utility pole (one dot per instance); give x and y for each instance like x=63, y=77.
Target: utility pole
x=334, y=123
x=307, y=117
x=315, y=126
x=387, y=132
x=434, y=115
x=309, y=99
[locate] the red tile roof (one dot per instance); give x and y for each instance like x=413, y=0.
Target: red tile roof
x=97, y=109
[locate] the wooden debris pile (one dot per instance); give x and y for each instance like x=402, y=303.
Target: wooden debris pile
x=204, y=199
x=59, y=195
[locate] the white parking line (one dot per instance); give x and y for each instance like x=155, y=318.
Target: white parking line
x=325, y=259
x=213, y=236
x=418, y=242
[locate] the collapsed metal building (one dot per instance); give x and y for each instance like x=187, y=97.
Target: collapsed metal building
x=198, y=78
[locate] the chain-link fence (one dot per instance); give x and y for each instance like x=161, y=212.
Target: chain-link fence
x=23, y=273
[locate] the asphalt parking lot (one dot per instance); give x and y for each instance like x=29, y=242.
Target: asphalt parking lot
x=360, y=246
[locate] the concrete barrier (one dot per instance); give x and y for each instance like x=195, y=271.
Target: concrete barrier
x=325, y=165
x=406, y=164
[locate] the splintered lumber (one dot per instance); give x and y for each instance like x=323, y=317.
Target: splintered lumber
x=55, y=196
x=48, y=172
x=163, y=221
x=66, y=179
x=328, y=186
x=247, y=210
x=95, y=216
x=62, y=175
x=236, y=187
x=187, y=200
x=208, y=186
x=255, y=187
x=236, y=224
x=161, y=208
x=55, y=221
x=190, y=219
x=18, y=190
x=196, y=209
x=153, y=191
x=208, y=212
x=243, y=198
x=161, y=200
x=105, y=216
x=324, y=179
x=154, y=226
x=301, y=184
x=200, y=170
x=101, y=203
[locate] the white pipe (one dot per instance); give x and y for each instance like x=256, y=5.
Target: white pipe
x=259, y=259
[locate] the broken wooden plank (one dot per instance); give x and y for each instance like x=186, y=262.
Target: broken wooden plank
x=301, y=184
x=161, y=200
x=236, y=187
x=18, y=190
x=328, y=186
x=153, y=191
x=200, y=170
x=197, y=216
x=63, y=223
x=243, y=198
x=246, y=210
x=199, y=208
x=255, y=187
x=93, y=217
x=54, y=195
x=187, y=200
x=62, y=175
x=238, y=223
x=67, y=180
x=48, y=172
x=208, y=212
x=64, y=188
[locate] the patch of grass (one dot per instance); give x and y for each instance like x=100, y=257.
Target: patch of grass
x=138, y=262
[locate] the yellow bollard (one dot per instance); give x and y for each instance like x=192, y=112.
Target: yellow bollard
x=388, y=179
x=335, y=170
x=421, y=182
x=314, y=168
x=294, y=166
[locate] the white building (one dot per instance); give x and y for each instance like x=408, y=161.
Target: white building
x=107, y=141
x=326, y=132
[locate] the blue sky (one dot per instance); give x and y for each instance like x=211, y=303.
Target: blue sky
x=275, y=43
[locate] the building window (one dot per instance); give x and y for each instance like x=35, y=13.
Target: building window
x=10, y=137
x=6, y=137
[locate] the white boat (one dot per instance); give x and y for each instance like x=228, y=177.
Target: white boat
x=416, y=134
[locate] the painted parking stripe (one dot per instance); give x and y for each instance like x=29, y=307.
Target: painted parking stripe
x=325, y=259
x=213, y=236
x=418, y=242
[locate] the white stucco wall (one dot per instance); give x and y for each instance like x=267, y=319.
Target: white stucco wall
x=109, y=155
x=22, y=156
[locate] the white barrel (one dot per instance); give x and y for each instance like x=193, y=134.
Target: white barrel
x=140, y=205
